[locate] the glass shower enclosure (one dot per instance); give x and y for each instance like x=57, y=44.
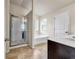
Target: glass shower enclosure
x=18, y=30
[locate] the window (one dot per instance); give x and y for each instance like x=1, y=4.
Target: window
x=40, y=27
x=22, y=27
x=43, y=26
x=36, y=27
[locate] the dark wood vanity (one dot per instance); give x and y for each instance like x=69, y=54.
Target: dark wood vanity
x=60, y=51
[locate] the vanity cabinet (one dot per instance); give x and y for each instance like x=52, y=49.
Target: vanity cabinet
x=60, y=51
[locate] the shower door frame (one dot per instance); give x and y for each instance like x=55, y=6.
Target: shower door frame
x=11, y=32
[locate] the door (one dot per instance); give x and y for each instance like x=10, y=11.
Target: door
x=61, y=25
x=17, y=31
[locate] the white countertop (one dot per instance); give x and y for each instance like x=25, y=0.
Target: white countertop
x=67, y=42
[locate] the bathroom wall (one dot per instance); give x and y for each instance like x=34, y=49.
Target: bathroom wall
x=29, y=28
x=7, y=26
x=7, y=18
x=50, y=16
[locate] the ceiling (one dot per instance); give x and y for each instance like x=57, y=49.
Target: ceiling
x=44, y=6
x=23, y=3
x=20, y=7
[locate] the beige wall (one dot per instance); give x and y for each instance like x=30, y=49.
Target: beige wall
x=50, y=16
x=29, y=27
x=7, y=25
x=7, y=18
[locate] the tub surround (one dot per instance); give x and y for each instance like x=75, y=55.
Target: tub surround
x=40, y=39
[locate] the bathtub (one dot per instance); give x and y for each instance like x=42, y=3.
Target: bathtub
x=40, y=39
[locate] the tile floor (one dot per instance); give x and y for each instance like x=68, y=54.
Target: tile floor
x=39, y=52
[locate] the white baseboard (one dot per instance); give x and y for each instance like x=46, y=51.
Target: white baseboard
x=18, y=46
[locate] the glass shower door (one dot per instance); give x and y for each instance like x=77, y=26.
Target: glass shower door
x=18, y=31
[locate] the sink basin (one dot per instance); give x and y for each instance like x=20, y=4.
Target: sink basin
x=70, y=37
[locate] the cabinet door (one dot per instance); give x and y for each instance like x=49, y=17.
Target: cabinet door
x=59, y=51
